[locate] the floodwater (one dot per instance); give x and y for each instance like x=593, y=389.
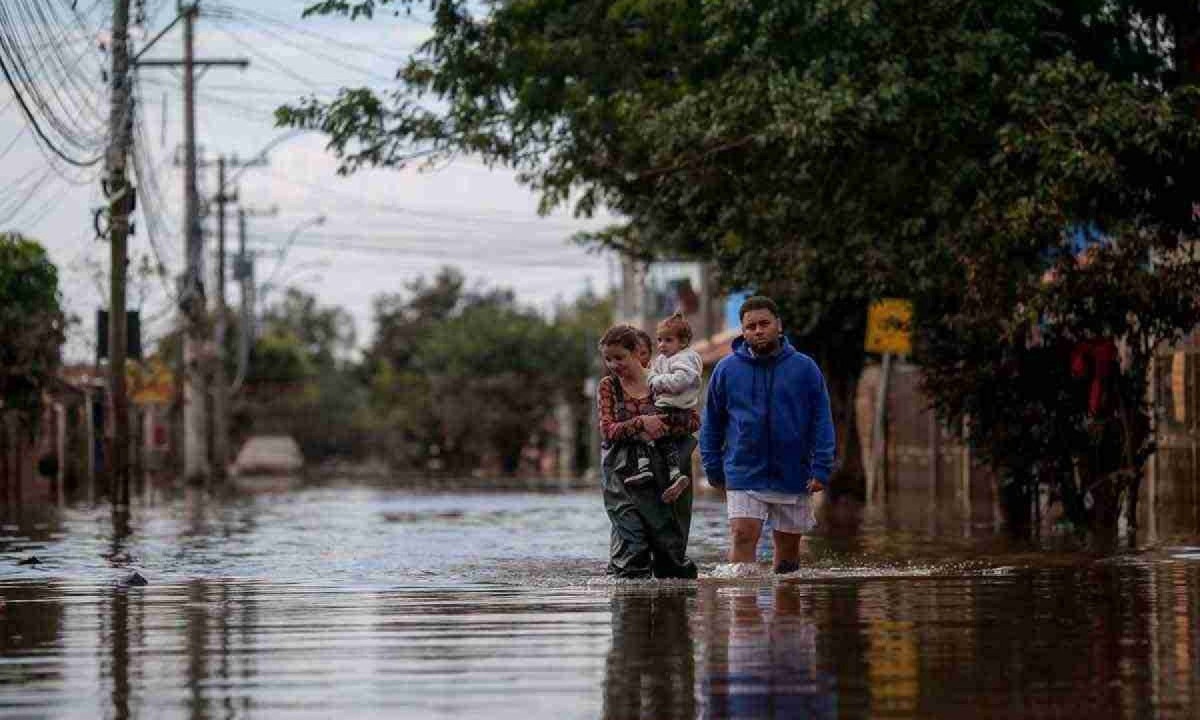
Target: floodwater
x=351, y=600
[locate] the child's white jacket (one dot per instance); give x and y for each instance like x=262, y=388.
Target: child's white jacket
x=675, y=380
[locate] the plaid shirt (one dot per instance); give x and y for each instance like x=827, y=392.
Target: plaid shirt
x=613, y=428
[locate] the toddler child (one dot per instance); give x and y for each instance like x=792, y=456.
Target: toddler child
x=675, y=381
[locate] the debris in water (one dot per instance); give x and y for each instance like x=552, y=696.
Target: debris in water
x=407, y=517
x=135, y=578
x=31, y=560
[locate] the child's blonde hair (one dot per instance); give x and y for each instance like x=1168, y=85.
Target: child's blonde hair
x=678, y=326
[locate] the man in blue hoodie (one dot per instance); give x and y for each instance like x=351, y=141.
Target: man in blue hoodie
x=767, y=436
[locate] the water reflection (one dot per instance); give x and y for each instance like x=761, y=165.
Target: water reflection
x=650, y=670
x=115, y=668
x=761, y=656
x=30, y=630
x=321, y=603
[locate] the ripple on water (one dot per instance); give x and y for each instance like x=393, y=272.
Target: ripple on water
x=336, y=601
x=863, y=568
x=1191, y=554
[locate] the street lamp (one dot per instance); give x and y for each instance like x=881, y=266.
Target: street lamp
x=221, y=400
x=250, y=313
x=259, y=159
x=287, y=244
x=302, y=270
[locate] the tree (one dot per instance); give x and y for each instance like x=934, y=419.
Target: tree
x=613, y=101
x=493, y=372
x=325, y=334
x=835, y=152
x=459, y=374
x=32, y=326
x=401, y=399
x=1047, y=351
x=582, y=322
x=403, y=319
x=300, y=381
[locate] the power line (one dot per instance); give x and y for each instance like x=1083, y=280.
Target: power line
x=439, y=245
x=16, y=206
x=230, y=108
x=89, y=162
x=13, y=143
x=60, y=76
x=447, y=240
x=384, y=250
x=326, y=191
x=151, y=197
x=42, y=212
x=253, y=16
x=260, y=89
x=317, y=54
x=267, y=59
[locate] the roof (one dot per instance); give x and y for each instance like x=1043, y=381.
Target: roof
x=712, y=349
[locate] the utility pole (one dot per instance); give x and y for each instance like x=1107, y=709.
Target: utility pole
x=195, y=445
x=244, y=273
x=221, y=390
x=120, y=204
x=220, y=381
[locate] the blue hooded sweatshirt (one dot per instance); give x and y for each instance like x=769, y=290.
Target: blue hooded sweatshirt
x=767, y=424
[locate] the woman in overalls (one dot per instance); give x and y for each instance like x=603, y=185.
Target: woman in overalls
x=649, y=534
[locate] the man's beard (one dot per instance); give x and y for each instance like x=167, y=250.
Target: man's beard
x=766, y=348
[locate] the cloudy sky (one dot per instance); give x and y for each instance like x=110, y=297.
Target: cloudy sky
x=381, y=228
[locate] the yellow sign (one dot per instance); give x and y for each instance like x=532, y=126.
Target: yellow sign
x=151, y=383
x=889, y=327
x=1179, y=387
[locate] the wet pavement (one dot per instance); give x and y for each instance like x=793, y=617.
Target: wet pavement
x=353, y=600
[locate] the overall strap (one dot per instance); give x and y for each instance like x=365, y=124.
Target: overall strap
x=619, y=394
x=618, y=405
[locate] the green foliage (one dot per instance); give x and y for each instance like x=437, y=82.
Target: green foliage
x=299, y=381
x=460, y=375
x=836, y=151
x=324, y=333
x=493, y=376
x=280, y=358
x=31, y=325
x=1081, y=150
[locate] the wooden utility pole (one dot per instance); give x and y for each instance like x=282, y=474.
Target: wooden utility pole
x=120, y=204
x=245, y=276
x=195, y=338
x=243, y=272
x=221, y=387
x=195, y=445
x=220, y=390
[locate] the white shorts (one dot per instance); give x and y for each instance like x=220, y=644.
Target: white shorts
x=794, y=518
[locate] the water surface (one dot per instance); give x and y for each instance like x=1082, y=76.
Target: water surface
x=362, y=601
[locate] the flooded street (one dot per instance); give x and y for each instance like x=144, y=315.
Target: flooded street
x=360, y=601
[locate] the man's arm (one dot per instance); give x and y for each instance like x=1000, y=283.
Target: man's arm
x=823, y=440
x=712, y=429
